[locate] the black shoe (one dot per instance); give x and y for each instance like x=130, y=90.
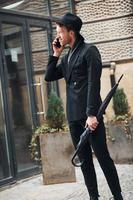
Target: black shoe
x=93, y=198
x=117, y=198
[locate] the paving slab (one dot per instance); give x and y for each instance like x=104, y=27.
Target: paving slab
x=33, y=188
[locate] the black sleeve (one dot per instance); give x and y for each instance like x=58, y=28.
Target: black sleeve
x=53, y=71
x=94, y=74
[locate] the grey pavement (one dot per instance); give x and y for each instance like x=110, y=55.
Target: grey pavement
x=33, y=188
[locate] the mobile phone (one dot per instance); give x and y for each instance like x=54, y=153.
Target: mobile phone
x=58, y=45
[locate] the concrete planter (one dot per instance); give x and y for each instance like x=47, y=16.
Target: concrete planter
x=120, y=142
x=56, y=153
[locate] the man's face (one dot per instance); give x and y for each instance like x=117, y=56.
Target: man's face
x=63, y=34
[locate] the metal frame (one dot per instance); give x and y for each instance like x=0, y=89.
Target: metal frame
x=46, y=27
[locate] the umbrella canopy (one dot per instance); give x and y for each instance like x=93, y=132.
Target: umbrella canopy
x=85, y=135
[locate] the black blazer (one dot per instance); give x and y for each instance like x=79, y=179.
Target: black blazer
x=82, y=72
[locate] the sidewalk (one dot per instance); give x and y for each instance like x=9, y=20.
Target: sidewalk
x=33, y=188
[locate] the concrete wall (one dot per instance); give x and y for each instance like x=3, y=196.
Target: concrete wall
x=108, y=24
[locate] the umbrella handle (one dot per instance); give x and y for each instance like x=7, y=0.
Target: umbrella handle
x=73, y=160
x=75, y=154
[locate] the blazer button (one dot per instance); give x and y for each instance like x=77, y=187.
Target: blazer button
x=75, y=83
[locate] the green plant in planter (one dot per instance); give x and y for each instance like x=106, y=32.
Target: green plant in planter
x=34, y=144
x=120, y=103
x=121, y=110
x=55, y=121
x=55, y=114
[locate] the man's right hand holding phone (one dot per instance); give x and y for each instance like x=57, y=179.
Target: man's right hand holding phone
x=57, y=48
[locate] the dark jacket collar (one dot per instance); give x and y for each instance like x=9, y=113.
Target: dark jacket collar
x=79, y=39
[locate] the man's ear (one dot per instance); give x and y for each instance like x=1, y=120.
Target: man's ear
x=71, y=33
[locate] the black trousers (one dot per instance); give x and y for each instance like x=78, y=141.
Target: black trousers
x=97, y=141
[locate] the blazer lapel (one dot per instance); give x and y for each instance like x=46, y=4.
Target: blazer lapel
x=71, y=62
x=71, y=65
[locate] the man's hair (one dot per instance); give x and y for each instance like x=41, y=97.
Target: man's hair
x=69, y=28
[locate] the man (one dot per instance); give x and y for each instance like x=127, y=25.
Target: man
x=81, y=68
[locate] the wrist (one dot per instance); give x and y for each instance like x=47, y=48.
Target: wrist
x=56, y=55
x=91, y=116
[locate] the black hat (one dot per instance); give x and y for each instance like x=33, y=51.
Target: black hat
x=70, y=20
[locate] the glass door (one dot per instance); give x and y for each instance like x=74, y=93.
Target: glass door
x=18, y=93
x=18, y=103
x=24, y=50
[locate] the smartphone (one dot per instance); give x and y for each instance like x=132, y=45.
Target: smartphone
x=58, y=43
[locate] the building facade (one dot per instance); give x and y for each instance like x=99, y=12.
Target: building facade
x=109, y=25
x=26, y=32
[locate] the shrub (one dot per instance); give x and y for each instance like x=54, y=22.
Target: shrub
x=55, y=114
x=55, y=120
x=120, y=103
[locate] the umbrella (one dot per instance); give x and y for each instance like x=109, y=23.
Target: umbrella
x=85, y=135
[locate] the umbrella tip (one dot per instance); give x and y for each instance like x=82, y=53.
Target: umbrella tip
x=120, y=78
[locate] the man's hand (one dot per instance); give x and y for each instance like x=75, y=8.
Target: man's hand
x=92, y=122
x=57, y=50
